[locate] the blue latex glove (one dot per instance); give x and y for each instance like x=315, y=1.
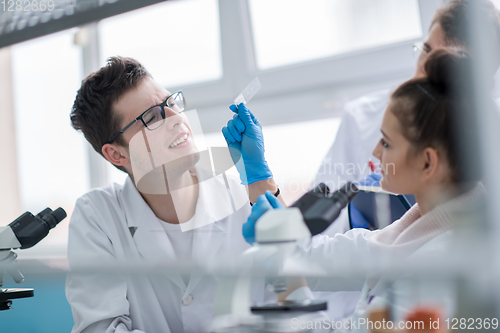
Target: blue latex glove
x=264, y=203
x=357, y=219
x=244, y=133
x=372, y=179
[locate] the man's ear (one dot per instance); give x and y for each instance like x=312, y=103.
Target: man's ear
x=431, y=162
x=115, y=154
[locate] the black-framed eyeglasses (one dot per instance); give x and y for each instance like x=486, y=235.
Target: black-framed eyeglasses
x=154, y=117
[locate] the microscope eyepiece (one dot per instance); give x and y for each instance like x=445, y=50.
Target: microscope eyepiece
x=44, y=212
x=320, y=208
x=345, y=194
x=322, y=188
x=29, y=229
x=53, y=217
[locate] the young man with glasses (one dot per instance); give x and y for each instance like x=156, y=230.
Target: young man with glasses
x=159, y=217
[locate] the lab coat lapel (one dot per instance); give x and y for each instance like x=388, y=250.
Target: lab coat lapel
x=206, y=243
x=149, y=236
x=208, y=233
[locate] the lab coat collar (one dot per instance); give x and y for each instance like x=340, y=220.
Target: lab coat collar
x=136, y=209
x=134, y=206
x=208, y=238
x=149, y=236
x=153, y=243
x=206, y=243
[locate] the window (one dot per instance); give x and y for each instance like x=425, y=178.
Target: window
x=291, y=31
x=52, y=156
x=181, y=44
x=177, y=41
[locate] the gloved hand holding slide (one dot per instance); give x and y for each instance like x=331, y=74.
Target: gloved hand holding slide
x=244, y=137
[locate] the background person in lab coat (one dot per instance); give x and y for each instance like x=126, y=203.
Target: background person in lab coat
x=119, y=108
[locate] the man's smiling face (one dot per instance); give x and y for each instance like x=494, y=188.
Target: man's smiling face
x=171, y=141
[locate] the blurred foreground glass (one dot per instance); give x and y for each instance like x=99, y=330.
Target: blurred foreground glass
x=496, y=88
x=291, y=31
x=178, y=41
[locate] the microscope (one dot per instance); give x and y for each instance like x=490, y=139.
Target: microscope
x=277, y=235
x=24, y=232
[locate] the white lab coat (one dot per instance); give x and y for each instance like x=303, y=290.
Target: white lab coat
x=403, y=296
x=347, y=159
x=413, y=238
x=115, y=225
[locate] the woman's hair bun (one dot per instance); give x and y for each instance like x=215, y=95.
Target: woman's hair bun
x=446, y=68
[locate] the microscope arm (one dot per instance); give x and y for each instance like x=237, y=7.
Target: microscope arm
x=8, y=240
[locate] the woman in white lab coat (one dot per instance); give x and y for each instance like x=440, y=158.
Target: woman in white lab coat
x=417, y=156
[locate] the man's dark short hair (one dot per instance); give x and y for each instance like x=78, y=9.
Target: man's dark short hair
x=92, y=112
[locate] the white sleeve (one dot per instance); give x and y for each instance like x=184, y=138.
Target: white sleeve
x=333, y=253
x=98, y=299
x=115, y=325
